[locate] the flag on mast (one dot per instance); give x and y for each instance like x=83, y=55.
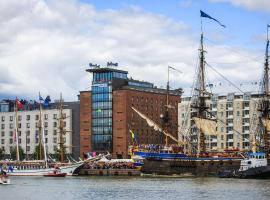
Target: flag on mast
x=18, y=103
x=203, y=14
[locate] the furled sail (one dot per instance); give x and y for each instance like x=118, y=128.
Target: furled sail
x=266, y=123
x=155, y=126
x=207, y=126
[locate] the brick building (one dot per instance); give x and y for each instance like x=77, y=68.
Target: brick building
x=106, y=116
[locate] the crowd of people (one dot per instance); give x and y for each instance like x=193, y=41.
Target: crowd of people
x=109, y=165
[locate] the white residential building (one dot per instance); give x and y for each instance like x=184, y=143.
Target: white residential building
x=28, y=130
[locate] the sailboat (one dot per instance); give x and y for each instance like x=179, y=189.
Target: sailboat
x=256, y=163
x=41, y=167
x=198, y=162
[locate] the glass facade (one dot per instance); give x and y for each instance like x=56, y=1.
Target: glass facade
x=102, y=109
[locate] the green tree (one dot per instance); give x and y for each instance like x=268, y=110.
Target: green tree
x=13, y=153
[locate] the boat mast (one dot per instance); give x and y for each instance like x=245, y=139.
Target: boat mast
x=265, y=101
x=201, y=97
x=61, y=130
x=42, y=135
x=16, y=131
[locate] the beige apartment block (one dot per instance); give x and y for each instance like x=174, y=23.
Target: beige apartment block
x=236, y=116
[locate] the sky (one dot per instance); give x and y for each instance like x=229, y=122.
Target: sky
x=46, y=45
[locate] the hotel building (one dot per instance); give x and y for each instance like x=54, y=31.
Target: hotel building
x=106, y=115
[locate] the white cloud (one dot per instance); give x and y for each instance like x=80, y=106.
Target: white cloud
x=263, y=5
x=47, y=45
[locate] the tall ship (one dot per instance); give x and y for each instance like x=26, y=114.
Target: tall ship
x=192, y=158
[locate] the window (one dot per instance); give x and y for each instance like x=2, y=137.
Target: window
x=19, y=140
x=46, y=132
x=54, y=140
x=27, y=117
x=19, y=118
x=28, y=133
x=45, y=124
x=3, y=118
x=3, y=141
x=54, y=124
x=10, y=133
x=11, y=118
x=27, y=125
x=3, y=134
x=19, y=125
x=46, y=116
x=36, y=140
x=46, y=140
x=54, y=116
x=28, y=141
x=37, y=117
x=65, y=124
x=11, y=126
x=19, y=133
x=10, y=141
x=3, y=126
x=54, y=132
x=222, y=137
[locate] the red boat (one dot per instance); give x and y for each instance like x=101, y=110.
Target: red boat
x=55, y=175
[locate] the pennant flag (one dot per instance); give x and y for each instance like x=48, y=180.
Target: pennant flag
x=133, y=135
x=203, y=14
x=18, y=104
x=268, y=25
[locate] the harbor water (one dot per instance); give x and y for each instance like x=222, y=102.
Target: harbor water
x=28, y=188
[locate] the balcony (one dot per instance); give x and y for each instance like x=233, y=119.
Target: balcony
x=230, y=132
x=230, y=117
x=230, y=140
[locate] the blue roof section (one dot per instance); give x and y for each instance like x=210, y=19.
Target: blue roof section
x=256, y=154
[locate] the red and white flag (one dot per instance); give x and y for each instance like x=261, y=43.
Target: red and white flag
x=18, y=104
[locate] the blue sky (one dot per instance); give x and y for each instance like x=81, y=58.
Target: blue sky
x=46, y=45
x=244, y=27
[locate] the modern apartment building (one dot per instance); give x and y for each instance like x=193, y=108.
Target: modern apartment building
x=106, y=116
x=235, y=116
x=28, y=128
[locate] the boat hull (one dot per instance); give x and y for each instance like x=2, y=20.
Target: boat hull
x=194, y=166
x=68, y=169
x=256, y=173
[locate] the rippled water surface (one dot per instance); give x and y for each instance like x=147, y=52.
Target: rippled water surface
x=96, y=188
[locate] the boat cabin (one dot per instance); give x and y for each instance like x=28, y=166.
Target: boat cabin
x=253, y=160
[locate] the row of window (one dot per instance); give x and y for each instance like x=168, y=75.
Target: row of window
x=101, y=97
x=102, y=122
x=101, y=113
x=102, y=105
x=28, y=140
x=102, y=130
x=101, y=88
x=11, y=126
x=28, y=117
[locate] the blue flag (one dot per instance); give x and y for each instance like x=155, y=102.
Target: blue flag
x=40, y=97
x=47, y=101
x=203, y=14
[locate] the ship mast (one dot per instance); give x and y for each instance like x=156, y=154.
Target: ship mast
x=265, y=99
x=201, y=97
x=16, y=131
x=62, y=131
